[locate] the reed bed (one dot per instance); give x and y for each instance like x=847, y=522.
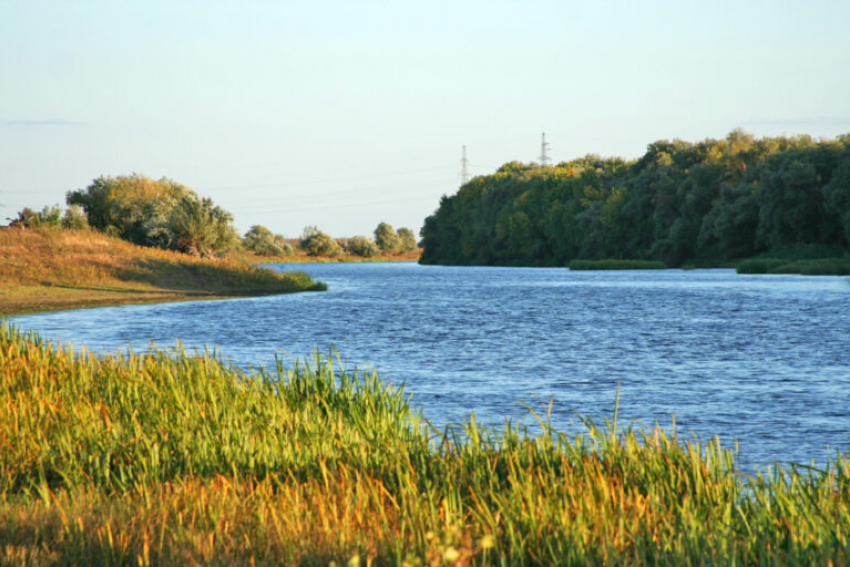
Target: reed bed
x=576, y=265
x=806, y=267
x=176, y=458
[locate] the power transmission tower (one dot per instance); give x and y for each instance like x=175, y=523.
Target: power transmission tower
x=464, y=168
x=544, y=146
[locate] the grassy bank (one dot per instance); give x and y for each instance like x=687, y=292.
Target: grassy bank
x=178, y=459
x=577, y=265
x=49, y=269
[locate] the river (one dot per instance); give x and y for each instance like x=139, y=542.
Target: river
x=764, y=360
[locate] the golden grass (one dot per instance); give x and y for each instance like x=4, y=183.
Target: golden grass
x=50, y=269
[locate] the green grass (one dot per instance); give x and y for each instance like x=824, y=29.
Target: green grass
x=176, y=458
x=616, y=265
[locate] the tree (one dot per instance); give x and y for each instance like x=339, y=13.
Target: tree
x=317, y=243
x=264, y=242
x=407, y=240
x=162, y=213
x=386, y=238
x=200, y=228
x=75, y=218
x=46, y=217
x=362, y=246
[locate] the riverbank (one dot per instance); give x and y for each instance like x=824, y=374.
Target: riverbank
x=52, y=269
x=179, y=459
x=301, y=257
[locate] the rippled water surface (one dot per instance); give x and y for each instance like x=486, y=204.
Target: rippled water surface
x=761, y=359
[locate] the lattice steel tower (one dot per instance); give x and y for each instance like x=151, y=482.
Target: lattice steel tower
x=464, y=168
x=544, y=146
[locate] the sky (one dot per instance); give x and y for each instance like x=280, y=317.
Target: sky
x=346, y=113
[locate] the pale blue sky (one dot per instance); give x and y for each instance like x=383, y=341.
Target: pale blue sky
x=344, y=114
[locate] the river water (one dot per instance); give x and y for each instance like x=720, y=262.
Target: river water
x=764, y=360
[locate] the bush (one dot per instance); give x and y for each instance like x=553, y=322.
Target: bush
x=407, y=240
x=362, y=246
x=320, y=244
x=46, y=217
x=75, y=218
x=386, y=238
x=162, y=214
x=264, y=242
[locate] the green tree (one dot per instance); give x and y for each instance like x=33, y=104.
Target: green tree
x=161, y=213
x=407, y=240
x=386, y=238
x=317, y=243
x=362, y=246
x=262, y=241
x=200, y=228
x=75, y=218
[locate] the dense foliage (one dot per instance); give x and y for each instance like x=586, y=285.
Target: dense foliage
x=163, y=213
x=703, y=203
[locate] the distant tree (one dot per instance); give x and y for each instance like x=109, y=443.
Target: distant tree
x=75, y=218
x=362, y=246
x=407, y=240
x=386, y=238
x=46, y=217
x=200, y=228
x=317, y=243
x=262, y=241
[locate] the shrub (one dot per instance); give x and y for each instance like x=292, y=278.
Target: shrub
x=386, y=238
x=362, y=246
x=320, y=244
x=407, y=240
x=264, y=242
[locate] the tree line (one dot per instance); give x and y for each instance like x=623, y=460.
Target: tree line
x=166, y=214
x=704, y=203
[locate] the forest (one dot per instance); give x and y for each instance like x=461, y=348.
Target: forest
x=709, y=203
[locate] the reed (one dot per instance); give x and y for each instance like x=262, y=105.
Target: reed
x=616, y=265
x=177, y=458
x=806, y=267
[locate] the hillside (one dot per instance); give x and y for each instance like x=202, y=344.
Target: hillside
x=51, y=269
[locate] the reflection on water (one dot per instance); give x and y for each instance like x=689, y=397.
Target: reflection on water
x=763, y=359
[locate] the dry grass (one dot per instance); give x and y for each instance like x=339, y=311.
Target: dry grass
x=49, y=269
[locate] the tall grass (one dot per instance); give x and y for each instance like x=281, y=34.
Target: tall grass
x=177, y=458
